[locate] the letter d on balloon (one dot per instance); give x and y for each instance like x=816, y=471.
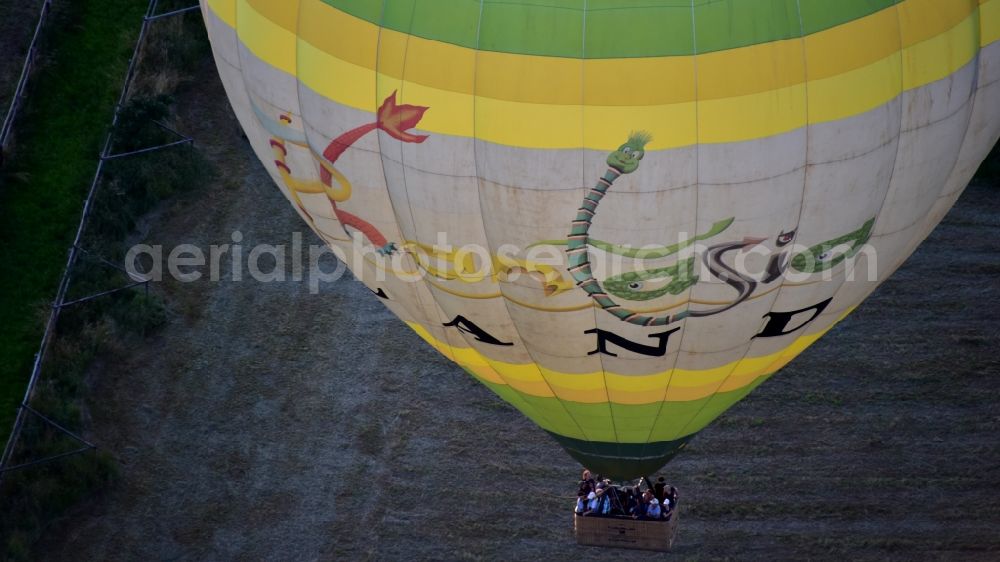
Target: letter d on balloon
x=777, y=322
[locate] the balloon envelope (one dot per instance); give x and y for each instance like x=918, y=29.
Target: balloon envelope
x=621, y=219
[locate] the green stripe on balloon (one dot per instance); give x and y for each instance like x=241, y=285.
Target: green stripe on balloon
x=657, y=420
x=645, y=28
x=621, y=461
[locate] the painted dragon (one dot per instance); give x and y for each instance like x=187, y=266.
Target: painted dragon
x=391, y=117
x=677, y=278
x=631, y=285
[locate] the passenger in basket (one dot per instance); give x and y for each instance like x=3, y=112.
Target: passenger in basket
x=600, y=505
x=587, y=484
x=658, y=488
x=672, y=496
x=604, y=506
x=581, y=503
x=635, y=504
x=642, y=509
x=653, y=511
x=591, y=504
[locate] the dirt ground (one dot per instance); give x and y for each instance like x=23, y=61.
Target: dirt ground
x=267, y=423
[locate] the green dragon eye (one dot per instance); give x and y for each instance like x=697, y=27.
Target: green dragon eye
x=635, y=286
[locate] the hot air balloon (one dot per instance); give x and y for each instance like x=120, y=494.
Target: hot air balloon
x=621, y=217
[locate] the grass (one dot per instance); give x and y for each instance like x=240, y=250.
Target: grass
x=62, y=133
x=17, y=24
x=59, y=137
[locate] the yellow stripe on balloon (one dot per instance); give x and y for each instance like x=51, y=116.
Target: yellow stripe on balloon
x=479, y=369
x=274, y=44
x=658, y=80
x=599, y=387
x=485, y=373
x=225, y=10
x=989, y=21
x=749, y=117
x=936, y=58
x=601, y=127
x=855, y=45
x=918, y=16
x=750, y=369
x=587, y=388
x=526, y=379
x=855, y=92
x=345, y=83
x=638, y=81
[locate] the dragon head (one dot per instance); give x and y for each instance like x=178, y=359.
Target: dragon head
x=626, y=158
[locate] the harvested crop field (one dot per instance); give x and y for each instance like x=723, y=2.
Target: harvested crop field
x=265, y=422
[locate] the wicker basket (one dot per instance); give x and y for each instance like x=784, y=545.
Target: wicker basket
x=623, y=532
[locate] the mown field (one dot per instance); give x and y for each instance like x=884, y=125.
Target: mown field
x=266, y=422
